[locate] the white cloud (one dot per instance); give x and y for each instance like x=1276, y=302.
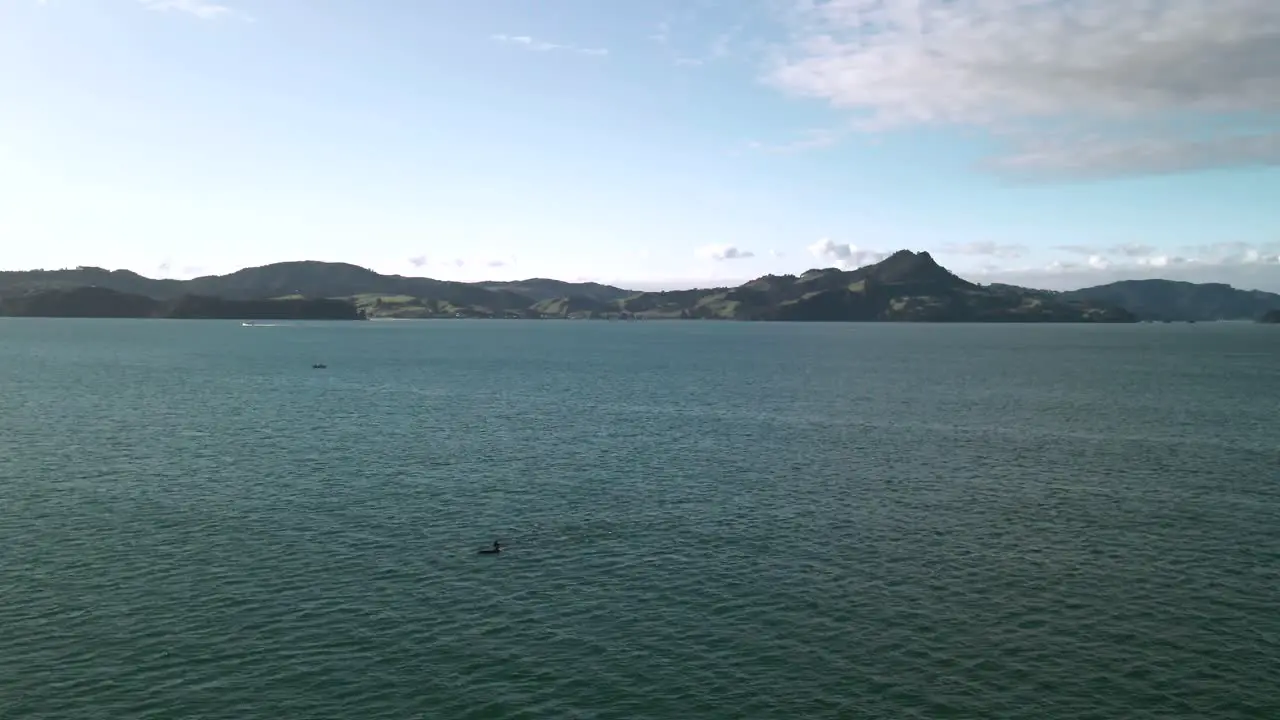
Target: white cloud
x=1090, y=158
x=809, y=140
x=717, y=49
x=1136, y=255
x=1129, y=250
x=1232, y=262
x=662, y=34
x=1255, y=269
x=988, y=249
x=1237, y=253
x=1213, y=254
x=475, y=261
x=1077, y=249
x=845, y=255
x=1135, y=250
x=724, y=252
x=1160, y=261
x=1127, y=85
x=683, y=37
x=202, y=9
x=536, y=45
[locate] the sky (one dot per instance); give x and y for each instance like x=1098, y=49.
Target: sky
x=645, y=143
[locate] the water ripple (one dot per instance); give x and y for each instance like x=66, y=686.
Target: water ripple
x=734, y=521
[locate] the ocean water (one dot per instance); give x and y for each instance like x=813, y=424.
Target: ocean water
x=704, y=520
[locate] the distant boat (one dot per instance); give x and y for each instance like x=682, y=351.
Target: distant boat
x=319, y=366
x=248, y=324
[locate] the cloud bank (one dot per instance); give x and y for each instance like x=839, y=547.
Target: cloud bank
x=724, y=252
x=1137, y=255
x=1244, y=265
x=1077, y=88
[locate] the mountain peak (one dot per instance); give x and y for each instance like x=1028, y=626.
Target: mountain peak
x=905, y=266
x=919, y=259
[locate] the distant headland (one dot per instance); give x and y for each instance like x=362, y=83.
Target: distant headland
x=905, y=287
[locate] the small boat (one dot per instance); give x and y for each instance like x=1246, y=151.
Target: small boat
x=319, y=366
x=497, y=548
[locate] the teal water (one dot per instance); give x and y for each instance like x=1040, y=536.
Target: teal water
x=705, y=520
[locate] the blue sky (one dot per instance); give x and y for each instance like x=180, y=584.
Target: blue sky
x=644, y=142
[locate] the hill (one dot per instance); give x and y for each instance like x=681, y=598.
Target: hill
x=80, y=302
x=906, y=286
x=305, y=279
x=574, y=306
x=13, y=283
x=540, y=289
x=1161, y=300
x=97, y=302
x=1271, y=318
